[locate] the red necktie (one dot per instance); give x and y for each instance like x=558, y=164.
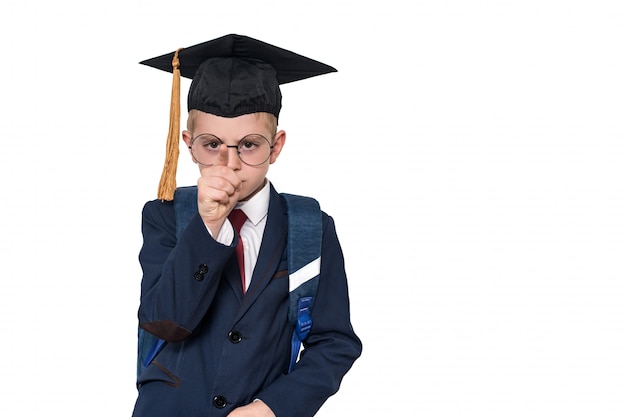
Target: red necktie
x=237, y=217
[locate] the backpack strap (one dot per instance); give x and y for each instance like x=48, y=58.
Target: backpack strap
x=304, y=248
x=185, y=206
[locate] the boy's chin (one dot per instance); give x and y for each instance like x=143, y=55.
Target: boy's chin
x=249, y=194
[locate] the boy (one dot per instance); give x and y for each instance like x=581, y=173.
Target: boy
x=224, y=317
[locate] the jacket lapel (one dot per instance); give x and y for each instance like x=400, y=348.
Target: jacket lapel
x=271, y=251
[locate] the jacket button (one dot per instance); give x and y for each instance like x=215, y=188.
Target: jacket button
x=198, y=276
x=234, y=336
x=219, y=401
x=203, y=268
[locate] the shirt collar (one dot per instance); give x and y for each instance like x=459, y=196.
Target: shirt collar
x=256, y=208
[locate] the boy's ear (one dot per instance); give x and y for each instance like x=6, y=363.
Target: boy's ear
x=187, y=139
x=279, y=142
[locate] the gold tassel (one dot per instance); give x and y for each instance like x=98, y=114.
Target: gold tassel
x=167, y=185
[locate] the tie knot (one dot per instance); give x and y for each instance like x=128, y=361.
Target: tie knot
x=237, y=217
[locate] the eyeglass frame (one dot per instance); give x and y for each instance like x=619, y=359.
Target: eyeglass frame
x=232, y=146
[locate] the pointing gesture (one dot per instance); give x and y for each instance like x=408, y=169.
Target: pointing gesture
x=219, y=187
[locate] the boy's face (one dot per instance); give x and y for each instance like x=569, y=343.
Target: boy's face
x=230, y=131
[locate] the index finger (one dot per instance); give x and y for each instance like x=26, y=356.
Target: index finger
x=222, y=156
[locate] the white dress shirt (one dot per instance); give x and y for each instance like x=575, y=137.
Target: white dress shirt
x=251, y=231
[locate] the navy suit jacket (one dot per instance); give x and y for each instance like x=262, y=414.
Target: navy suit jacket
x=225, y=349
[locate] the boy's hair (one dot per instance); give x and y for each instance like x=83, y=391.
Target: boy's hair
x=270, y=119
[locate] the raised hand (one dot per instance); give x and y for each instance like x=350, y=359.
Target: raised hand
x=219, y=187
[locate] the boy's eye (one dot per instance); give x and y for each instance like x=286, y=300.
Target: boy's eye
x=252, y=143
x=247, y=145
x=208, y=142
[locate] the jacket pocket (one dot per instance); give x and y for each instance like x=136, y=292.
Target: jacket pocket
x=158, y=372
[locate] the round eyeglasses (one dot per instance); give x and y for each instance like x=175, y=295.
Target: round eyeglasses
x=252, y=149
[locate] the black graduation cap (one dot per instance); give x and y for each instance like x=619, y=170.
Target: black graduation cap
x=236, y=74
x=231, y=76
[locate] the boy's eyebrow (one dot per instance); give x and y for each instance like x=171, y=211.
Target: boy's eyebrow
x=222, y=140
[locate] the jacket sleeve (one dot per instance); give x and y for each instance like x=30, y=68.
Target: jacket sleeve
x=332, y=345
x=179, y=277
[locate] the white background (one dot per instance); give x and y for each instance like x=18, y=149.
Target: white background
x=471, y=152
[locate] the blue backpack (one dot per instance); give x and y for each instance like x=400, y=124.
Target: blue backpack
x=304, y=246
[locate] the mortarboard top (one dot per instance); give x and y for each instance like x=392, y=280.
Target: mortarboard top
x=231, y=76
x=289, y=66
